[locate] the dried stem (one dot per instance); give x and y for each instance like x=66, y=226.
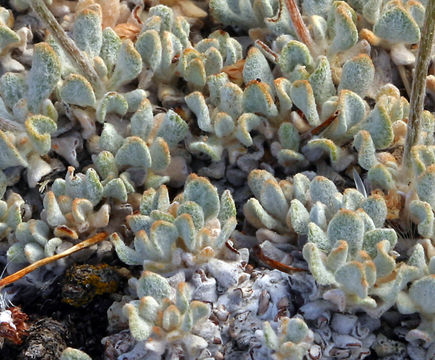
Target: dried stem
x=299, y=25
x=418, y=92
x=274, y=264
x=68, y=45
x=272, y=54
x=318, y=129
x=28, y=269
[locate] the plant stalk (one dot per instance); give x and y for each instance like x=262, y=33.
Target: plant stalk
x=299, y=25
x=418, y=91
x=28, y=269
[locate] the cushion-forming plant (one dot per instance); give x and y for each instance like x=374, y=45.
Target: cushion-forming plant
x=144, y=92
x=164, y=316
x=348, y=248
x=192, y=229
x=292, y=340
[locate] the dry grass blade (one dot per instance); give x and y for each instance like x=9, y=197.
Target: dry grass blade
x=28, y=269
x=274, y=264
x=359, y=184
x=267, y=50
x=318, y=129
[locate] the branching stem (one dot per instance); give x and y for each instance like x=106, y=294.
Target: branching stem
x=418, y=92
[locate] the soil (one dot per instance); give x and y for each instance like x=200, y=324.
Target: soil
x=78, y=327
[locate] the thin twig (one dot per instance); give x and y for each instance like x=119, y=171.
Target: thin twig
x=28, y=269
x=68, y=45
x=299, y=25
x=272, y=54
x=318, y=129
x=418, y=92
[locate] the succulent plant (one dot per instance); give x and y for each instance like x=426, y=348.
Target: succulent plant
x=74, y=354
x=208, y=57
x=11, y=214
x=362, y=277
x=236, y=108
x=292, y=341
x=13, y=40
x=8, y=38
x=28, y=117
x=341, y=117
x=347, y=248
x=27, y=240
x=163, y=36
x=164, y=316
x=313, y=77
x=191, y=230
x=116, y=63
x=109, y=106
x=146, y=147
x=385, y=171
x=68, y=211
x=333, y=23
x=395, y=25
x=71, y=202
x=228, y=125
x=416, y=298
x=33, y=242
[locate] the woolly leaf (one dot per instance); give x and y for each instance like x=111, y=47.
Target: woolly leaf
x=128, y=65
x=397, y=26
x=201, y=191
x=87, y=31
x=257, y=99
x=173, y=129
x=43, y=75
x=39, y=128
x=111, y=102
x=357, y=75
x=76, y=90
x=111, y=43
x=149, y=46
x=347, y=225
x=134, y=152
x=151, y=284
